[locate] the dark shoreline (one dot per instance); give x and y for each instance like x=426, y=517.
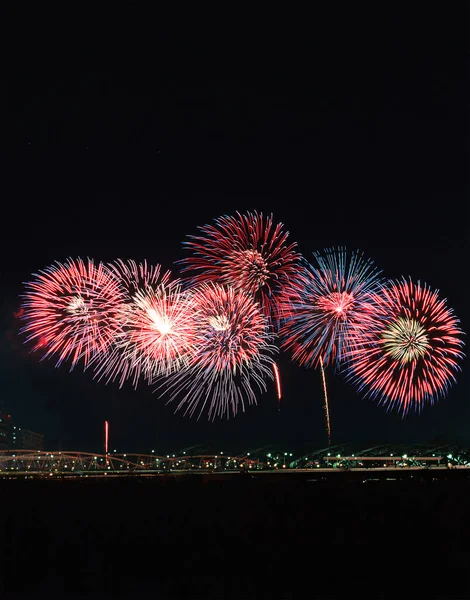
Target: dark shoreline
x=289, y=476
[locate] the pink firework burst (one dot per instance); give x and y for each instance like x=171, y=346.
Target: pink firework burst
x=247, y=252
x=72, y=310
x=157, y=324
x=232, y=354
x=411, y=353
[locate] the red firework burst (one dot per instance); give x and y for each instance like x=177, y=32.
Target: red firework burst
x=248, y=252
x=232, y=351
x=410, y=354
x=72, y=310
x=157, y=324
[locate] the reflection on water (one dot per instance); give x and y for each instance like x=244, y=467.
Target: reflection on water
x=240, y=538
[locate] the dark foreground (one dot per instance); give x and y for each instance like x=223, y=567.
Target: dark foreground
x=239, y=537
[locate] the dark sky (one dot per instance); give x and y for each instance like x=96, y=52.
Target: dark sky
x=121, y=145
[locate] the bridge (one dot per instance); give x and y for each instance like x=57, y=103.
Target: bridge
x=39, y=463
x=35, y=462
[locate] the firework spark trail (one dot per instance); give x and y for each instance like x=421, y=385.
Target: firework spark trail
x=157, y=326
x=232, y=355
x=72, y=310
x=326, y=309
x=327, y=406
x=277, y=378
x=410, y=354
x=248, y=252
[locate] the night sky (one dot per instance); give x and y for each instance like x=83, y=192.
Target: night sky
x=121, y=148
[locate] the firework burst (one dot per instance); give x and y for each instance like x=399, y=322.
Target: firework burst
x=72, y=310
x=157, y=324
x=247, y=252
x=232, y=354
x=325, y=310
x=327, y=307
x=411, y=352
